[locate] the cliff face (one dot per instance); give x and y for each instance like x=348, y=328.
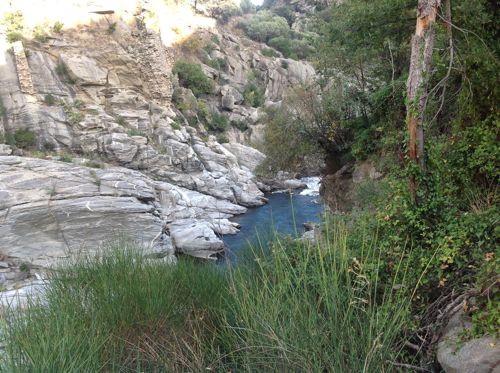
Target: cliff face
x=101, y=92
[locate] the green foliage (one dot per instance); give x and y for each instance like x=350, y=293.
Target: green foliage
x=100, y=312
x=247, y=6
x=65, y=157
x=48, y=146
x=222, y=139
x=14, y=26
x=63, y=73
x=219, y=122
x=191, y=76
x=3, y=110
x=175, y=125
x=285, y=143
x=14, y=36
x=49, y=99
x=225, y=11
x=24, y=138
x=73, y=114
x=111, y=28
x=269, y=52
x=57, y=27
x=254, y=95
x=218, y=63
x=40, y=33
x=265, y=25
x=135, y=132
x=242, y=125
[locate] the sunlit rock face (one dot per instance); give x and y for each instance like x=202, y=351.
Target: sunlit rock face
x=100, y=89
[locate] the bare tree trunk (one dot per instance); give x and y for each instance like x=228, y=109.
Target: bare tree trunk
x=420, y=66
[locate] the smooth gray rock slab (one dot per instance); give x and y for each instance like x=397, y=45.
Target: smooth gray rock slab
x=478, y=355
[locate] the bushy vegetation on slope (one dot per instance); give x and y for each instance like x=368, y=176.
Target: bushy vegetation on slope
x=364, y=58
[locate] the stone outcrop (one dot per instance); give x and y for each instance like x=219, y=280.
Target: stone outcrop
x=50, y=208
x=478, y=355
x=105, y=97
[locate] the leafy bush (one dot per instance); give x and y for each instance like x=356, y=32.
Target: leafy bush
x=219, y=122
x=218, y=63
x=240, y=124
x=14, y=26
x=63, y=73
x=111, y=28
x=269, y=52
x=265, y=25
x=135, y=132
x=253, y=95
x=65, y=157
x=49, y=99
x=247, y=6
x=57, y=27
x=40, y=33
x=14, y=36
x=24, y=138
x=222, y=139
x=191, y=76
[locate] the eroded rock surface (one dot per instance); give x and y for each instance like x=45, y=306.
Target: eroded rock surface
x=50, y=208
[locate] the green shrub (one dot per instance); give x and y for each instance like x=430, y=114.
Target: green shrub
x=191, y=76
x=135, y=132
x=121, y=120
x=253, y=95
x=111, y=28
x=40, y=33
x=63, y=73
x=14, y=26
x=269, y=52
x=49, y=99
x=247, y=6
x=24, y=138
x=14, y=36
x=242, y=125
x=65, y=157
x=222, y=139
x=73, y=115
x=265, y=25
x=219, y=122
x=283, y=44
x=218, y=63
x=3, y=110
x=175, y=125
x=48, y=146
x=57, y=27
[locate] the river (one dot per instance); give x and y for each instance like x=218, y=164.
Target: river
x=284, y=213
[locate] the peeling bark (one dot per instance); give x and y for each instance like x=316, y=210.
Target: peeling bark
x=420, y=66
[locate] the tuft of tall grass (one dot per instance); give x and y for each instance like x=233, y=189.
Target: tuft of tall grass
x=114, y=311
x=298, y=307
x=285, y=306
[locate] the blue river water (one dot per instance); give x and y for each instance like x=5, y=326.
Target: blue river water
x=285, y=213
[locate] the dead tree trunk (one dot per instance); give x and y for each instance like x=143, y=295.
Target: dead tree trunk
x=420, y=65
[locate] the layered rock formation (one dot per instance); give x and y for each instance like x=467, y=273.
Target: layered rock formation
x=103, y=96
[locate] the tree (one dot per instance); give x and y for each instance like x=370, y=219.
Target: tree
x=420, y=67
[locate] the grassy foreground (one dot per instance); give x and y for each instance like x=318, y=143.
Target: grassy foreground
x=289, y=307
